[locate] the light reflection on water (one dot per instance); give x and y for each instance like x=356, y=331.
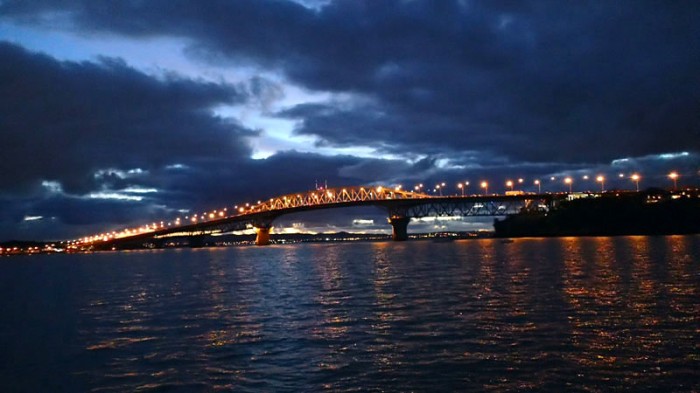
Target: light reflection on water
x=568, y=314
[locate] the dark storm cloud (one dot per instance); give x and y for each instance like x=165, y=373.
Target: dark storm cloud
x=65, y=121
x=74, y=134
x=467, y=90
x=536, y=81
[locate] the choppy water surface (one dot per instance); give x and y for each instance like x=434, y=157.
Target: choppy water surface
x=572, y=314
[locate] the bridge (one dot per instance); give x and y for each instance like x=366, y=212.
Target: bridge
x=400, y=206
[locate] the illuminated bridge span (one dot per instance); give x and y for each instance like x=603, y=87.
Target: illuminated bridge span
x=400, y=206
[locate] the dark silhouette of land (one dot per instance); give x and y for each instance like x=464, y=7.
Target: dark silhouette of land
x=651, y=212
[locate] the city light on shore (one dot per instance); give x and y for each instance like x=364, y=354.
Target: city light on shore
x=601, y=179
x=674, y=177
x=635, y=178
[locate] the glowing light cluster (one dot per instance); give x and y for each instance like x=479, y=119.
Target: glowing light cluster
x=328, y=196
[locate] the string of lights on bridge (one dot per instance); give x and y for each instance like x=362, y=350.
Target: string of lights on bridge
x=322, y=194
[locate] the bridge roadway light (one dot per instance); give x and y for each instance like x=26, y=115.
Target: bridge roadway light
x=635, y=178
x=461, y=188
x=485, y=186
x=674, y=176
x=509, y=184
x=600, y=179
x=569, y=181
x=539, y=186
x=521, y=180
x=437, y=187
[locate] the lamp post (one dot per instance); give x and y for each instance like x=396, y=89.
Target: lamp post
x=600, y=179
x=461, y=188
x=539, y=186
x=635, y=178
x=674, y=176
x=509, y=184
x=569, y=181
x=485, y=186
x=466, y=186
x=437, y=187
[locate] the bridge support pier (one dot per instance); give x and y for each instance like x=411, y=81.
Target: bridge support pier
x=262, y=235
x=399, y=227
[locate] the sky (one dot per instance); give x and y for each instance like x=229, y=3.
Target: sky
x=115, y=114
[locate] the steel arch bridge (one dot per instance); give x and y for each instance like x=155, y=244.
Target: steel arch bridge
x=400, y=206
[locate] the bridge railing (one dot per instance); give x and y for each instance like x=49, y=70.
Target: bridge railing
x=332, y=196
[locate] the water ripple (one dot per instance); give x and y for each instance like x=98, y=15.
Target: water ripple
x=569, y=314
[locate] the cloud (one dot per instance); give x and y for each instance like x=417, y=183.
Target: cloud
x=64, y=121
x=461, y=90
x=538, y=82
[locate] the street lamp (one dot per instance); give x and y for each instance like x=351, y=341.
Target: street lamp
x=509, y=184
x=539, y=186
x=600, y=179
x=674, y=176
x=437, y=187
x=485, y=186
x=466, y=186
x=569, y=181
x=461, y=188
x=635, y=178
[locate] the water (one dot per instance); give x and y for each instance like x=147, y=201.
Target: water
x=572, y=314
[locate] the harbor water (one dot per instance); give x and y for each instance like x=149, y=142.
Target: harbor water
x=587, y=314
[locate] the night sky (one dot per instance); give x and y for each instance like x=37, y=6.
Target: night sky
x=120, y=113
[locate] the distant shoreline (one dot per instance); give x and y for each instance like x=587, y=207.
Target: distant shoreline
x=651, y=213
x=11, y=248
